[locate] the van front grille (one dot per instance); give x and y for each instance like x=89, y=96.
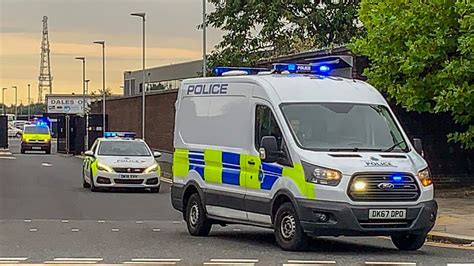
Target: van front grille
x=382, y=187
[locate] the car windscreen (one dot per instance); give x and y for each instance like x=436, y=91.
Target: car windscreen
x=123, y=148
x=35, y=130
x=343, y=127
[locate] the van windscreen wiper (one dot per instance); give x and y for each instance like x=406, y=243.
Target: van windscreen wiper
x=391, y=148
x=355, y=149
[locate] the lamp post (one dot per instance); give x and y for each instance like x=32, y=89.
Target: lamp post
x=204, y=39
x=29, y=102
x=16, y=102
x=86, y=111
x=142, y=15
x=83, y=59
x=4, y=107
x=103, y=85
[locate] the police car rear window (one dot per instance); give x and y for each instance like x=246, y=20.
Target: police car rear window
x=123, y=148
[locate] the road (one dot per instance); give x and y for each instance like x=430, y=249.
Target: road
x=46, y=215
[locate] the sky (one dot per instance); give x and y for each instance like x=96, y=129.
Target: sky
x=171, y=37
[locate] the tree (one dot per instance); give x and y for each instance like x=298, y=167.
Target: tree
x=421, y=54
x=255, y=29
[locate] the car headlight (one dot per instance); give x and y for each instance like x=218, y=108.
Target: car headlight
x=104, y=168
x=154, y=168
x=425, y=177
x=321, y=175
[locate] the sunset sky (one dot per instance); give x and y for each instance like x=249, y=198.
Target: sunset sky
x=172, y=37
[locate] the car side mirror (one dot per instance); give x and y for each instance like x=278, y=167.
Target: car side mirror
x=156, y=154
x=418, y=145
x=89, y=153
x=268, y=149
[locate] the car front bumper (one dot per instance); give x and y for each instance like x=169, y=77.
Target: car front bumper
x=344, y=219
x=105, y=179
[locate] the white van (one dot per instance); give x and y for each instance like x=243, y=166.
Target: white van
x=304, y=154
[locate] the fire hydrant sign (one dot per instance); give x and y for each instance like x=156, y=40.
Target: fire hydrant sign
x=66, y=104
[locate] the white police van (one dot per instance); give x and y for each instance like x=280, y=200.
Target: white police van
x=306, y=154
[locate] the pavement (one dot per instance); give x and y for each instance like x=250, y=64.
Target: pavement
x=47, y=217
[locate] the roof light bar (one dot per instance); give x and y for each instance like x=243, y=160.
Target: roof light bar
x=130, y=135
x=320, y=69
x=218, y=71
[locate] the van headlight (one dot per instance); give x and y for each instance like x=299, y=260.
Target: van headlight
x=321, y=175
x=104, y=168
x=425, y=177
x=154, y=168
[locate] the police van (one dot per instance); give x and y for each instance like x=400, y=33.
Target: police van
x=299, y=151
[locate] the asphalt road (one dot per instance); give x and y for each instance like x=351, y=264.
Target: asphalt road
x=45, y=215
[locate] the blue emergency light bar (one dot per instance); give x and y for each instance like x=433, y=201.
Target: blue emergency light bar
x=320, y=69
x=218, y=71
x=42, y=122
x=129, y=135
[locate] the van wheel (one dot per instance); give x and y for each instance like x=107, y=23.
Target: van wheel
x=196, y=220
x=409, y=242
x=289, y=233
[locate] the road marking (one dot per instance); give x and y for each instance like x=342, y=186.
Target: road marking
x=101, y=221
x=8, y=158
x=150, y=262
x=5, y=153
x=78, y=259
x=27, y=221
x=166, y=180
x=235, y=260
x=9, y=262
x=312, y=262
x=176, y=222
x=46, y=164
x=69, y=262
x=138, y=222
x=156, y=229
x=74, y=229
x=229, y=263
x=115, y=229
x=389, y=263
x=13, y=259
x=64, y=221
x=33, y=230
x=156, y=260
x=460, y=264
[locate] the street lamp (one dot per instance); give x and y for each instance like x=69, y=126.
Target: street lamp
x=142, y=15
x=16, y=102
x=83, y=59
x=103, y=85
x=86, y=112
x=204, y=57
x=4, y=107
x=29, y=102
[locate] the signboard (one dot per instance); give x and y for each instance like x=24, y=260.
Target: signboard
x=66, y=104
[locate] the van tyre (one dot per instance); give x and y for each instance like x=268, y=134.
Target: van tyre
x=409, y=242
x=289, y=233
x=196, y=220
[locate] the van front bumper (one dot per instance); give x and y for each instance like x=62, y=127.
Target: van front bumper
x=343, y=219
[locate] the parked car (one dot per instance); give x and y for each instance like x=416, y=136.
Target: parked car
x=14, y=132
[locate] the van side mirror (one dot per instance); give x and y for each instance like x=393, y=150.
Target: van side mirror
x=89, y=153
x=268, y=149
x=418, y=145
x=156, y=154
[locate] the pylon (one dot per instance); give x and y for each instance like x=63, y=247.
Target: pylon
x=45, y=83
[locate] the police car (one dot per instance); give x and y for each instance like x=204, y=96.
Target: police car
x=301, y=152
x=120, y=160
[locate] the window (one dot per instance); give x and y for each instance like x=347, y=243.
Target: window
x=266, y=125
x=123, y=148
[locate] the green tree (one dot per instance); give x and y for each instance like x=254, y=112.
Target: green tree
x=421, y=54
x=255, y=29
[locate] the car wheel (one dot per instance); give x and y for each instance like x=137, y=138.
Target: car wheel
x=409, y=242
x=92, y=186
x=289, y=233
x=84, y=183
x=196, y=220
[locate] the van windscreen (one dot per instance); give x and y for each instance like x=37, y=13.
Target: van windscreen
x=343, y=127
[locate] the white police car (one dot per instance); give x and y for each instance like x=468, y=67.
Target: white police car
x=120, y=160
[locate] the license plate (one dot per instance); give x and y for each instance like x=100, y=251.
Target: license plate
x=387, y=214
x=36, y=148
x=128, y=176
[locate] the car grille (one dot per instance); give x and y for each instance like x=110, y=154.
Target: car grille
x=128, y=181
x=129, y=170
x=404, y=190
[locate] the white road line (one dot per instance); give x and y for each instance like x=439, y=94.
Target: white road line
x=74, y=229
x=149, y=262
x=229, y=263
x=157, y=260
x=235, y=260
x=138, y=222
x=13, y=259
x=8, y=158
x=69, y=262
x=460, y=264
x=9, y=262
x=27, y=221
x=115, y=229
x=176, y=222
x=33, y=229
x=388, y=263
x=101, y=221
x=46, y=164
x=64, y=221
x=78, y=259
x=318, y=262
x=156, y=229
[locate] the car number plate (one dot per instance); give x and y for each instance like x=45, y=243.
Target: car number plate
x=36, y=148
x=128, y=176
x=387, y=214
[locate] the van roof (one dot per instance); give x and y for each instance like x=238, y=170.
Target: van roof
x=287, y=88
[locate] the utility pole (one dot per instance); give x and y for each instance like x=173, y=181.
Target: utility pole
x=104, y=95
x=16, y=101
x=29, y=102
x=83, y=59
x=4, y=107
x=204, y=39
x=142, y=15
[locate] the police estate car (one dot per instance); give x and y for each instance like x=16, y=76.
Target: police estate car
x=120, y=160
